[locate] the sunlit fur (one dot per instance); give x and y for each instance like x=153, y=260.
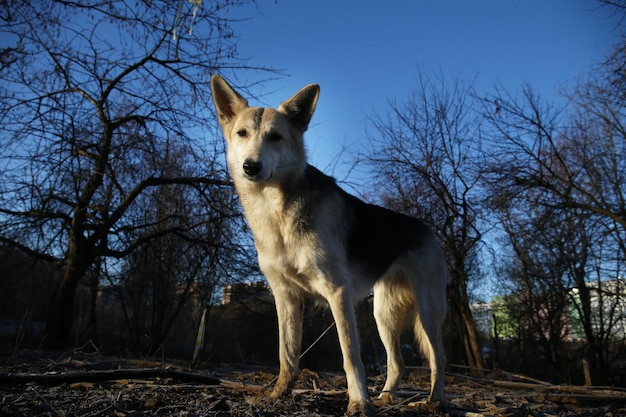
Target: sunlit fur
x=314, y=239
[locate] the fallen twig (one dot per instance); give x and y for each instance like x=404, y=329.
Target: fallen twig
x=58, y=378
x=559, y=393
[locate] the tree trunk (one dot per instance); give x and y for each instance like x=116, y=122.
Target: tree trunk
x=92, y=318
x=472, y=344
x=459, y=301
x=61, y=309
x=597, y=365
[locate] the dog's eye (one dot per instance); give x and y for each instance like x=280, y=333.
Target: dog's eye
x=243, y=133
x=274, y=137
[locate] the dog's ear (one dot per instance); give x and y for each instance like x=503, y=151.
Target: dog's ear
x=301, y=106
x=227, y=101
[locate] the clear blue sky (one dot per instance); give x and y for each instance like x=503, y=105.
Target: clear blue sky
x=363, y=53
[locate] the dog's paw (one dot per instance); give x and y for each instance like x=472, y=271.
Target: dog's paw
x=384, y=398
x=361, y=409
x=277, y=393
x=281, y=389
x=429, y=406
x=436, y=403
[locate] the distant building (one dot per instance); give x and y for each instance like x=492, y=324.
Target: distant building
x=608, y=313
x=608, y=309
x=245, y=292
x=481, y=312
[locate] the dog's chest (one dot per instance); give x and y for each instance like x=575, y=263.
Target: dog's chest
x=283, y=231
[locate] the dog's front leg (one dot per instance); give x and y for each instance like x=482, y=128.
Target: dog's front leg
x=289, y=312
x=342, y=307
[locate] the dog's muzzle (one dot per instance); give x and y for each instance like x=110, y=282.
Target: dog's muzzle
x=252, y=168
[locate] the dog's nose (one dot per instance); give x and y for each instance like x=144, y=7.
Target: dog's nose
x=252, y=168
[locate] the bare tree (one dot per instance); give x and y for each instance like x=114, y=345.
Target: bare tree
x=95, y=96
x=425, y=151
x=162, y=275
x=617, y=7
x=563, y=171
x=549, y=255
x=574, y=155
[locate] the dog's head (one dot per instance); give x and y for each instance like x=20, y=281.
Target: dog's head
x=264, y=144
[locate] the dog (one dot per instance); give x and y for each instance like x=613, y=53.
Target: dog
x=314, y=239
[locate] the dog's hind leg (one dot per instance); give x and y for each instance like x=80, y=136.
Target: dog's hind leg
x=289, y=312
x=390, y=309
x=431, y=310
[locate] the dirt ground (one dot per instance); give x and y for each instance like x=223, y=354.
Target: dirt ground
x=75, y=384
